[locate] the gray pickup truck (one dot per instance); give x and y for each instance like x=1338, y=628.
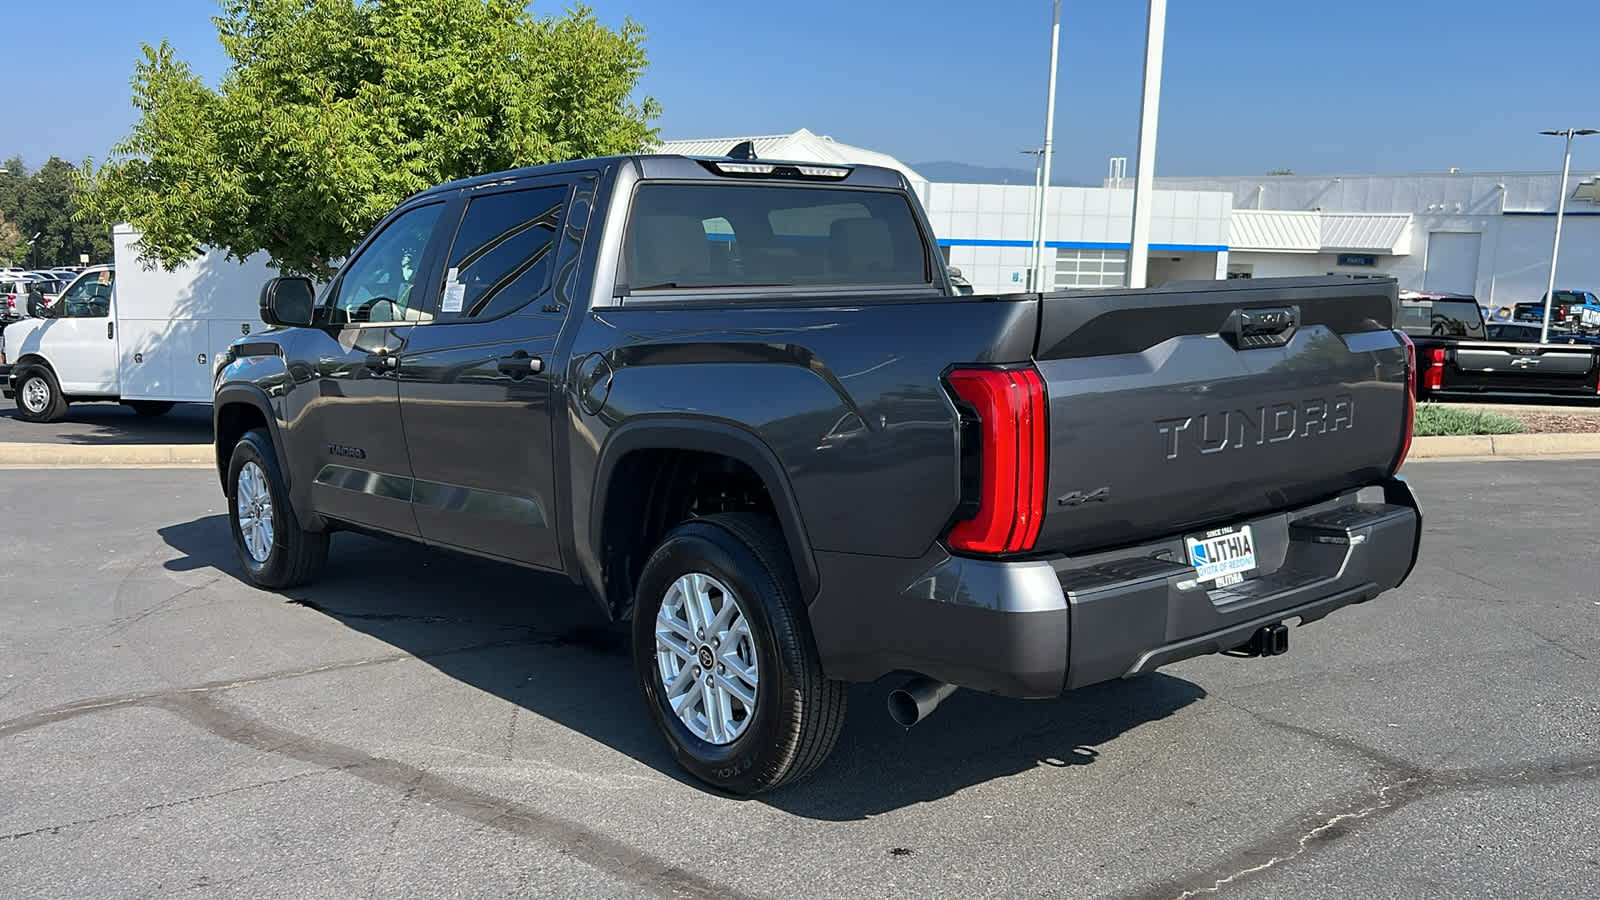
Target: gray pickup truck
x=741, y=403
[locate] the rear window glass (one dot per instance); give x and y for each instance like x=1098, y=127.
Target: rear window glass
x=1446, y=318
x=742, y=235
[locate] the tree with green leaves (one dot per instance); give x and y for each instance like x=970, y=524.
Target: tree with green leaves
x=42, y=203
x=332, y=111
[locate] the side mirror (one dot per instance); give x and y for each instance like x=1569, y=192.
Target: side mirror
x=287, y=301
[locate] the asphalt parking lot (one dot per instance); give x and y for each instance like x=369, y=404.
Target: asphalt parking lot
x=422, y=724
x=109, y=423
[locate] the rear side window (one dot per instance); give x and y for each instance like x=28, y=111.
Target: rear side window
x=1448, y=318
x=744, y=235
x=503, y=253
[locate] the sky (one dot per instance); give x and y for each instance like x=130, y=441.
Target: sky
x=1249, y=85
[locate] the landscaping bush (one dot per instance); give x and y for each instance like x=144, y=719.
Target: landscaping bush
x=1436, y=419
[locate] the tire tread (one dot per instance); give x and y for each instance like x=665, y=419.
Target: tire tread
x=819, y=727
x=305, y=552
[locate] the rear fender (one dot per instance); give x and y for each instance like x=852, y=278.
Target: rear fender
x=671, y=432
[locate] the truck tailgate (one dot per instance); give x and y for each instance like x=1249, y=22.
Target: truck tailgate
x=1531, y=367
x=1193, y=405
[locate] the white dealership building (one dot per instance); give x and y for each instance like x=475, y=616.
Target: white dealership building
x=1485, y=234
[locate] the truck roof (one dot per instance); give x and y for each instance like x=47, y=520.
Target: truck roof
x=686, y=168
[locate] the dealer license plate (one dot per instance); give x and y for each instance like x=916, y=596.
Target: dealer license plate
x=1222, y=556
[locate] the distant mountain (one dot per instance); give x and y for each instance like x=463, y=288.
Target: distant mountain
x=964, y=173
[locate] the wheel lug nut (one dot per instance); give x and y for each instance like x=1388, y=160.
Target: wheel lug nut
x=697, y=671
x=700, y=633
x=722, y=670
x=708, y=681
x=715, y=643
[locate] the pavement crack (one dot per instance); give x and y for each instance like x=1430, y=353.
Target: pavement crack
x=1554, y=643
x=1332, y=827
x=1296, y=839
x=78, y=708
x=590, y=846
x=394, y=829
x=122, y=625
x=154, y=807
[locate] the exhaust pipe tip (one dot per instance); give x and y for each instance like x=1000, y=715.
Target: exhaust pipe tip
x=917, y=699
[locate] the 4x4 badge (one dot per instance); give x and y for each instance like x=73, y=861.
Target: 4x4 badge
x=1079, y=498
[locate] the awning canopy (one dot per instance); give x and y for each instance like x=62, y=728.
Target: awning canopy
x=1281, y=231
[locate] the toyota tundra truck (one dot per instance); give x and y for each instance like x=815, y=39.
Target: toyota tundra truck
x=740, y=402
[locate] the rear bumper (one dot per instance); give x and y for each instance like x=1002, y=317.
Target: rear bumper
x=1033, y=629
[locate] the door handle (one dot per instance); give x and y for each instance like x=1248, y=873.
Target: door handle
x=383, y=362
x=110, y=330
x=520, y=363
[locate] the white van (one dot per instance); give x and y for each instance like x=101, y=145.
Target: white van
x=147, y=338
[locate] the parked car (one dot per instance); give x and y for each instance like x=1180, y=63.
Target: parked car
x=1456, y=351
x=744, y=405
x=14, y=293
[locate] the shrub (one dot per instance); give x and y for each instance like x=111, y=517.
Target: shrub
x=1435, y=419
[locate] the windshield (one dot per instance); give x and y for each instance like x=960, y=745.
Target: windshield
x=747, y=235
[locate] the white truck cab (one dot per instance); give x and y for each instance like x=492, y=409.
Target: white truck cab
x=140, y=336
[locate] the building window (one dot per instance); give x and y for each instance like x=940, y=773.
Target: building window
x=1091, y=268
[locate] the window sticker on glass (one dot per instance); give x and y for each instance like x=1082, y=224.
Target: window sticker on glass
x=455, y=293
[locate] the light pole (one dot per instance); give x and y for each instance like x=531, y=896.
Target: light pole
x=1561, y=209
x=1038, y=159
x=1044, y=153
x=1149, y=113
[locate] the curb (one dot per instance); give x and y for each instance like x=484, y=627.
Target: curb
x=1505, y=445
x=91, y=455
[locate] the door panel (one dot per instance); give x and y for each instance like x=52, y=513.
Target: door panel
x=351, y=424
x=82, y=343
x=476, y=389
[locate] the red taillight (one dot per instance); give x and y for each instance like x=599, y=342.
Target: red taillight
x=1433, y=379
x=1411, y=400
x=1010, y=404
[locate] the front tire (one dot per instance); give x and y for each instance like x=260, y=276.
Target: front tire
x=275, y=551
x=725, y=658
x=39, y=397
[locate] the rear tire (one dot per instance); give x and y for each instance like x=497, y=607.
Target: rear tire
x=150, y=407
x=275, y=551
x=39, y=397
x=797, y=712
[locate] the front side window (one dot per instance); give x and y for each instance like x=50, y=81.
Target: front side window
x=89, y=297
x=503, y=253
x=722, y=235
x=377, y=285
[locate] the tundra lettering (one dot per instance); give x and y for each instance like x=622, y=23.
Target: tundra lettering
x=1267, y=425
